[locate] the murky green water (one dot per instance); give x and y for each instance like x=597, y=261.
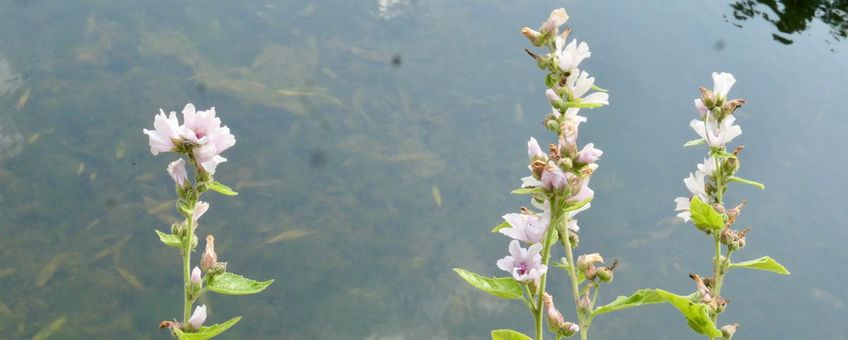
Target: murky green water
x=348, y=116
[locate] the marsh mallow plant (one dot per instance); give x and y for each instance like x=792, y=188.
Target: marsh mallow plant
x=559, y=188
x=200, y=139
x=705, y=206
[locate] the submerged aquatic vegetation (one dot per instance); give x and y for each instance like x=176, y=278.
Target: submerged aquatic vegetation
x=201, y=138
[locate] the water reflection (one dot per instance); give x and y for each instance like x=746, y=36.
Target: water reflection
x=795, y=16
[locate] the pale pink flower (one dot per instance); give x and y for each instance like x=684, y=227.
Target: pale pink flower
x=165, y=134
x=177, y=170
x=525, y=265
x=552, y=95
x=589, y=154
x=204, y=129
x=583, y=194
x=702, y=109
x=553, y=178
x=533, y=149
x=199, y=209
x=527, y=228
x=198, y=317
x=716, y=134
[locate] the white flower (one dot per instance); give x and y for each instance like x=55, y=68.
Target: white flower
x=177, y=170
x=569, y=57
x=589, y=154
x=524, y=264
x=533, y=149
x=708, y=167
x=199, y=210
x=528, y=228
x=198, y=317
x=697, y=186
x=530, y=182
x=722, y=82
x=714, y=133
x=557, y=18
x=165, y=133
x=579, y=83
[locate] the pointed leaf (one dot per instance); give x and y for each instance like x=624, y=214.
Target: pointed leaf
x=764, y=263
x=527, y=191
x=582, y=105
x=169, y=239
x=498, y=227
x=759, y=185
x=696, y=314
x=508, y=334
x=694, y=142
x=719, y=153
x=502, y=287
x=207, y=332
x=233, y=284
x=704, y=216
x=222, y=189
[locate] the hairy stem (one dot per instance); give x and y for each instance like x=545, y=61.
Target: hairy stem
x=546, y=255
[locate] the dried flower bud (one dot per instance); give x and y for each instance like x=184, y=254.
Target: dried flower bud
x=727, y=331
x=557, y=18
x=536, y=38
x=585, y=303
x=555, y=318
x=708, y=97
x=731, y=106
x=209, y=258
x=583, y=261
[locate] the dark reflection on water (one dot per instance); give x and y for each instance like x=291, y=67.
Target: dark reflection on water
x=795, y=16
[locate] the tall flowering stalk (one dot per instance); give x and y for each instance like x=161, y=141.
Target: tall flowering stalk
x=559, y=186
x=705, y=207
x=201, y=139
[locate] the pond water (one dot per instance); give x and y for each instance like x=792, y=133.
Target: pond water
x=377, y=145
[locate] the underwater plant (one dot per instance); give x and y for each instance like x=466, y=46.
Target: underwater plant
x=201, y=139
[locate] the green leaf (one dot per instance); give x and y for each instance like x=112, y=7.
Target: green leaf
x=759, y=185
x=207, y=332
x=719, y=153
x=697, y=314
x=563, y=264
x=502, y=287
x=169, y=239
x=763, y=263
x=704, y=216
x=576, y=205
x=582, y=105
x=695, y=142
x=234, y=284
x=222, y=189
x=503, y=225
x=508, y=334
x=527, y=191
x=596, y=88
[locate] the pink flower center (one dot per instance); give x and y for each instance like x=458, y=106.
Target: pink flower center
x=522, y=268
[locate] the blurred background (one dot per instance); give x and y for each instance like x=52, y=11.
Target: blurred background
x=378, y=142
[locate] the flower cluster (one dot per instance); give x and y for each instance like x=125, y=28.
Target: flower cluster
x=201, y=137
x=715, y=128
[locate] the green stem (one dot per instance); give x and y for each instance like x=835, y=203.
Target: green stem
x=546, y=255
x=718, y=267
x=186, y=270
x=575, y=289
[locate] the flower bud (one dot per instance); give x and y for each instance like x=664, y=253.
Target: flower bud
x=178, y=173
x=555, y=318
x=565, y=163
x=585, y=303
x=557, y=18
x=218, y=268
x=209, y=258
x=573, y=238
x=552, y=124
x=199, y=209
x=197, y=318
x=195, y=278
x=604, y=274
x=708, y=97
x=569, y=329
x=727, y=331
x=536, y=38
